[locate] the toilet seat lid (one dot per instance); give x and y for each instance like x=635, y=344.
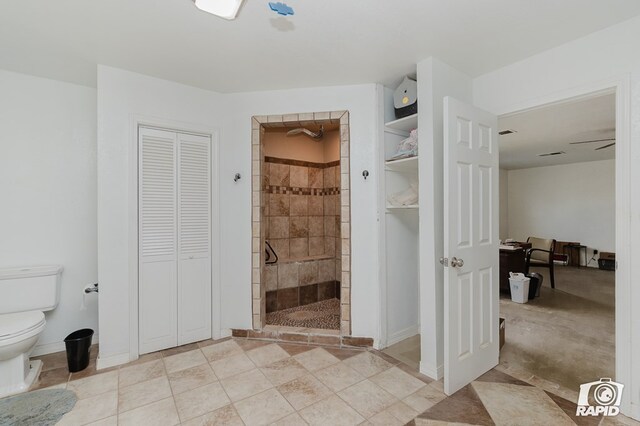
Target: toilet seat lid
x=19, y=323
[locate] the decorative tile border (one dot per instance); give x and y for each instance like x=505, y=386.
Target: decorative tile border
x=301, y=163
x=258, y=289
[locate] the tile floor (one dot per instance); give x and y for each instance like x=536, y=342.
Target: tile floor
x=252, y=382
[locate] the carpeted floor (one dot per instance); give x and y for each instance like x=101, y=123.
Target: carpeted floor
x=325, y=314
x=566, y=336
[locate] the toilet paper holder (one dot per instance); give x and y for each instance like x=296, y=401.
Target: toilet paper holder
x=91, y=288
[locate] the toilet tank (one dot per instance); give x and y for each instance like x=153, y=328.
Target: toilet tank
x=29, y=288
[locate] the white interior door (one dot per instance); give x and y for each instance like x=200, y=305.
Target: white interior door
x=471, y=298
x=158, y=280
x=194, y=236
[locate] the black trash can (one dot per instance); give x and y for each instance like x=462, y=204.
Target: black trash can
x=535, y=282
x=78, y=346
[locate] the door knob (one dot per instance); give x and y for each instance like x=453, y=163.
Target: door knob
x=444, y=261
x=457, y=263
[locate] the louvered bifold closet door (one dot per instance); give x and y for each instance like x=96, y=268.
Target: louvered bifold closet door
x=157, y=239
x=194, y=238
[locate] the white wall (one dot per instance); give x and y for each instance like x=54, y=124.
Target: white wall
x=48, y=191
x=123, y=95
x=569, y=202
x=603, y=58
x=360, y=101
x=504, y=205
x=435, y=81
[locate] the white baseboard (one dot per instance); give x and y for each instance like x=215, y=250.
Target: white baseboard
x=112, y=361
x=401, y=335
x=431, y=371
x=225, y=332
x=50, y=348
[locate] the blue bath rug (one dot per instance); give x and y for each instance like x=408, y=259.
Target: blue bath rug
x=43, y=407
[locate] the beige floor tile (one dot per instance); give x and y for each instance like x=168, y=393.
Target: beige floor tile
x=284, y=371
x=424, y=399
x=141, y=372
x=339, y=376
x=368, y=364
x=92, y=409
x=109, y=421
x=291, y=420
x=316, y=359
x=191, y=378
x=528, y=404
x=263, y=408
x=331, y=411
x=94, y=385
x=304, y=391
x=267, y=355
x=199, y=401
x=384, y=418
x=367, y=398
x=140, y=394
x=221, y=350
x=159, y=413
x=245, y=384
x=402, y=412
x=397, y=382
x=226, y=416
x=232, y=365
x=184, y=360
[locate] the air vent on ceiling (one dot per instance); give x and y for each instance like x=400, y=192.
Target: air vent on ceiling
x=551, y=153
x=506, y=132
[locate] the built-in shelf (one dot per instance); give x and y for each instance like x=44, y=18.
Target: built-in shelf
x=409, y=164
x=405, y=124
x=409, y=207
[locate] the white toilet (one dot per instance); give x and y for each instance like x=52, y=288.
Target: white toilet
x=24, y=294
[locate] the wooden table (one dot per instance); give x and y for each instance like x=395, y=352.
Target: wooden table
x=510, y=261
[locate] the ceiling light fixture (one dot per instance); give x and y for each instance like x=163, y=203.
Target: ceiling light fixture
x=227, y=9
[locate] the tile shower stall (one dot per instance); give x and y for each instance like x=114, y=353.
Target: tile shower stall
x=301, y=219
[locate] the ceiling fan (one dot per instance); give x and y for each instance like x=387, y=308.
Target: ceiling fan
x=598, y=140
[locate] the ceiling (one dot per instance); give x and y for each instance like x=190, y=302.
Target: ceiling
x=553, y=128
x=327, y=42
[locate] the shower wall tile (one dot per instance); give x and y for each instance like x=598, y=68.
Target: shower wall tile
x=316, y=205
x=330, y=226
x=281, y=247
x=298, y=247
x=316, y=177
x=308, y=273
x=279, y=174
x=299, y=177
x=278, y=227
x=329, y=205
x=271, y=277
x=316, y=246
x=330, y=246
x=299, y=205
x=272, y=301
x=299, y=227
x=326, y=290
x=327, y=270
x=329, y=177
x=316, y=225
x=287, y=275
x=279, y=204
x=288, y=298
x=308, y=294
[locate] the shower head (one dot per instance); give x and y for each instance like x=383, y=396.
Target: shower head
x=315, y=135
